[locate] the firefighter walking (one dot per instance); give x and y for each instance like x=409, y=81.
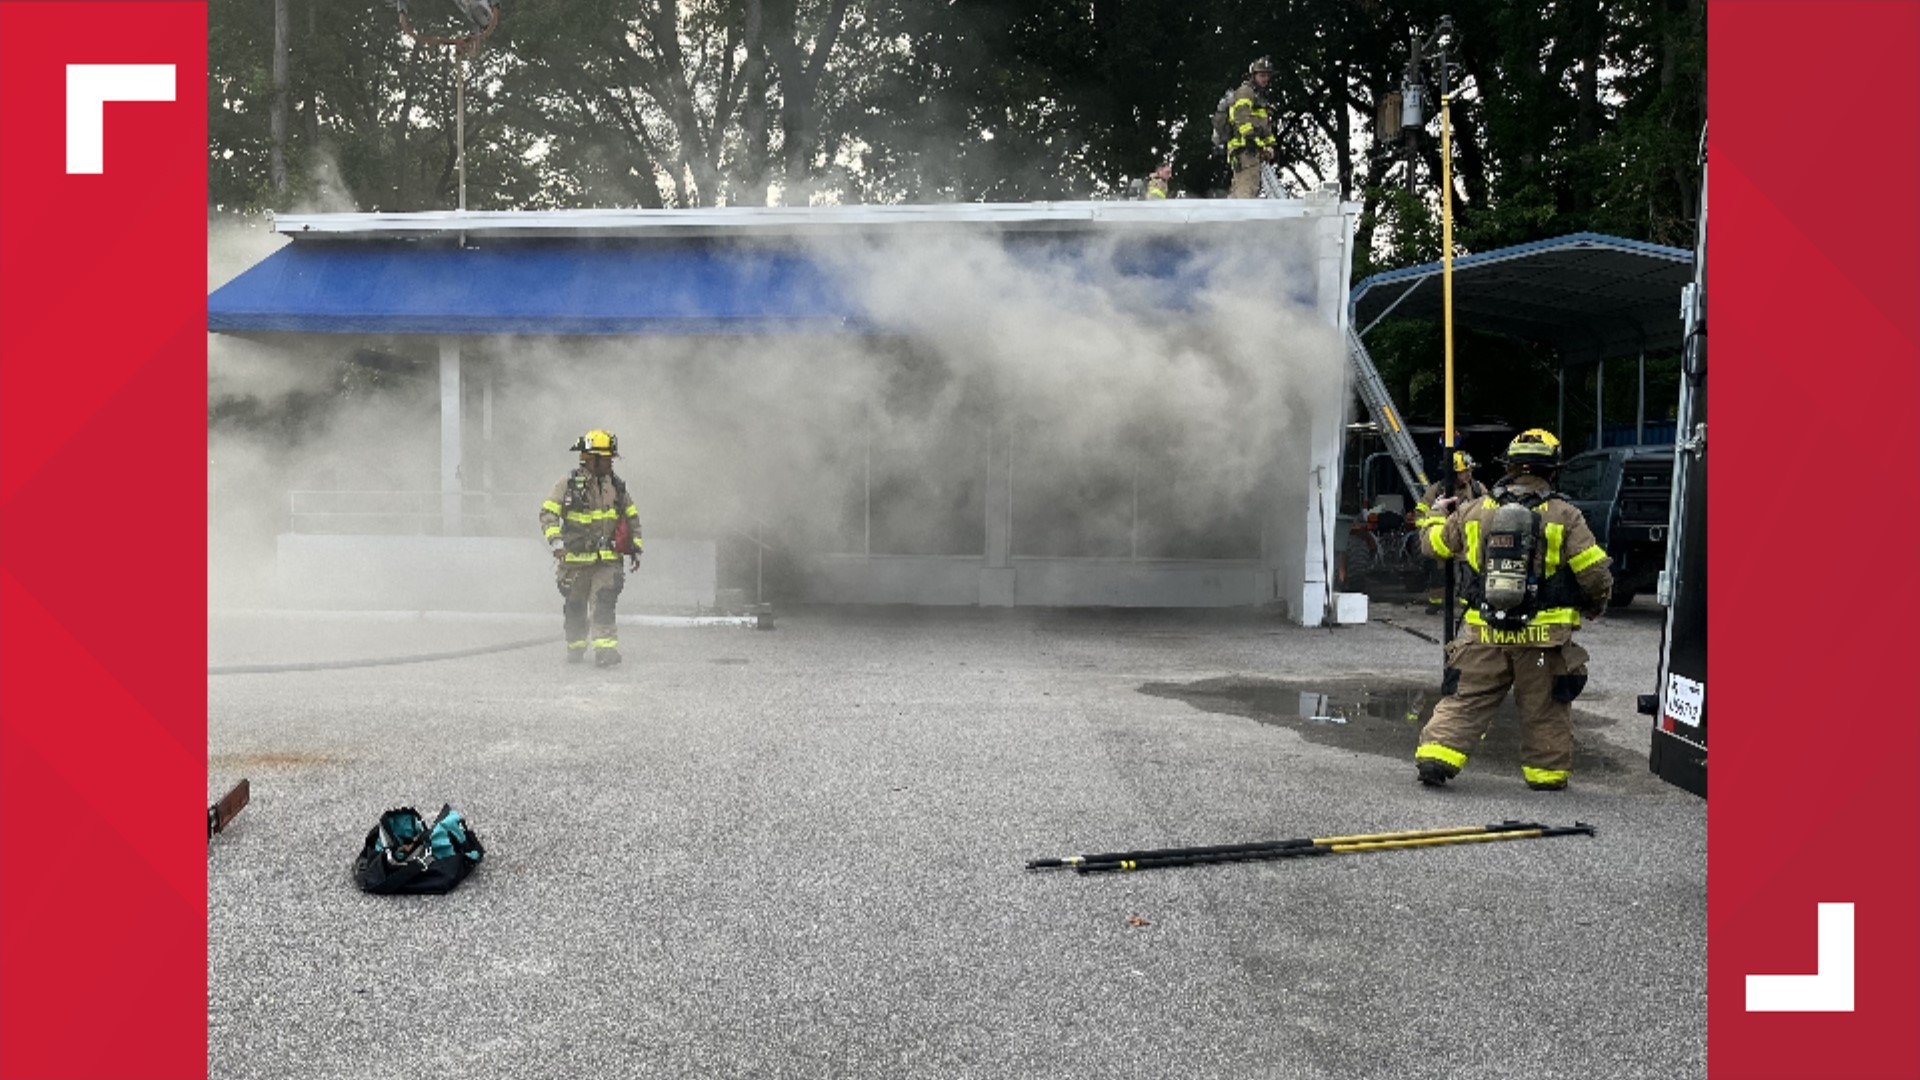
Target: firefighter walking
x=1250, y=138
x=1534, y=568
x=590, y=522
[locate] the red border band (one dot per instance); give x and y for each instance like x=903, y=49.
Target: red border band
x=102, y=553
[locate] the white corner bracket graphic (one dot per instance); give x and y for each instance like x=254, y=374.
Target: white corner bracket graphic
x=89, y=88
x=1829, y=988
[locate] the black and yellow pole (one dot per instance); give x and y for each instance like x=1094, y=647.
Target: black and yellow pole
x=1157, y=858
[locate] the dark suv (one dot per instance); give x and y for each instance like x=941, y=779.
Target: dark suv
x=1624, y=491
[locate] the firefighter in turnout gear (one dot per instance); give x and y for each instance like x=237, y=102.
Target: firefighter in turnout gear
x=1250, y=138
x=1534, y=569
x=590, y=523
x=1439, y=500
x=1158, y=184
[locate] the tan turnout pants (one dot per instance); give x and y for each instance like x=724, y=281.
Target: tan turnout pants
x=591, y=592
x=1544, y=682
x=1246, y=175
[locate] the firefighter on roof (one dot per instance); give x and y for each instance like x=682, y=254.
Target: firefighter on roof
x=1535, y=567
x=1250, y=138
x=590, y=523
x=1158, y=184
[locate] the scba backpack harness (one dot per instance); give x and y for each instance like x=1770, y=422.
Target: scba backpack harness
x=1222, y=119
x=1512, y=587
x=407, y=854
x=576, y=499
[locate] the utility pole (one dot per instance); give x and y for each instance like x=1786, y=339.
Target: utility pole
x=1413, y=119
x=1433, y=49
x=463, y=48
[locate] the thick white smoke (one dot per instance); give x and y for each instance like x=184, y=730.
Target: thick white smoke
x=1144, y=415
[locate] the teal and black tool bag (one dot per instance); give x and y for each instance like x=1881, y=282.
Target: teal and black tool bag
x=406, y=854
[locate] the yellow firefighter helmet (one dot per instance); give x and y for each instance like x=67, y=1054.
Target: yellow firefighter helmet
x=598, y=443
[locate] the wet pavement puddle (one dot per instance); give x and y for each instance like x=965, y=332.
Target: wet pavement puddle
x=1377, y=716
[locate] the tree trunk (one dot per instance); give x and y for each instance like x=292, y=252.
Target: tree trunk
x=1586, y=123
x=753, y=171
x=696, y=162
x=313, y=36
x=799, y=83
x=1343, y=130
x=277, y=154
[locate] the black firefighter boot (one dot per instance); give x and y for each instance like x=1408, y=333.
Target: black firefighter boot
x=606, y=656
x=576, y=654
x=1435, y=773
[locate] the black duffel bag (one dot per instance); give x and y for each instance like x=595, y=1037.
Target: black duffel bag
x=406, y=854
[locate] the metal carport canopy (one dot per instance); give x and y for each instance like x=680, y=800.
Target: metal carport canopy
x=1589, y=296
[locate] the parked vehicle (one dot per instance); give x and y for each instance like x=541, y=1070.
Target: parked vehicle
x=1624, y=491
x=1678, y=705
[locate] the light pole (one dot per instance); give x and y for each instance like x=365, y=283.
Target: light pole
x=485, y=16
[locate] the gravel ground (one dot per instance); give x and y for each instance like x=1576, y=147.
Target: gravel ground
x=800, y=852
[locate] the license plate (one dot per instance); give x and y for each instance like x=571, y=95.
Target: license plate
x=1686, y=700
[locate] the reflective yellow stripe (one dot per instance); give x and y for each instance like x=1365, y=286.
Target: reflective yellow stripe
x=637, y=546
x=1156, y=193
x=606, y=643
x=1441, y=753
x=576, y=644
x=1440, y=548
x=613, y=556
x=1532, y=636
x=632, y=510
x=1543, y=776
x=1553, y=616
x=550, y=506
x=1586, y=558
x=553, y=531
x=1556, y=534
x=591, y=556
x=1473, y=544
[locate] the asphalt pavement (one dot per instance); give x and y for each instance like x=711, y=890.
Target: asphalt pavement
x=800, y=852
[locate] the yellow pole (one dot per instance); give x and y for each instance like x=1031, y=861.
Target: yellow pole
x=1446, y=257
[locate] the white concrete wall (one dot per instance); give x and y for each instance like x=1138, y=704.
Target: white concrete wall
x=1035, y=582
x=472, y=573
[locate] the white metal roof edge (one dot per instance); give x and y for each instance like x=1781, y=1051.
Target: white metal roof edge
x=735, y=219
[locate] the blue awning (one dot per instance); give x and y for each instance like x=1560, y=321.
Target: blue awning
x=602, y=286
x=532, y=289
